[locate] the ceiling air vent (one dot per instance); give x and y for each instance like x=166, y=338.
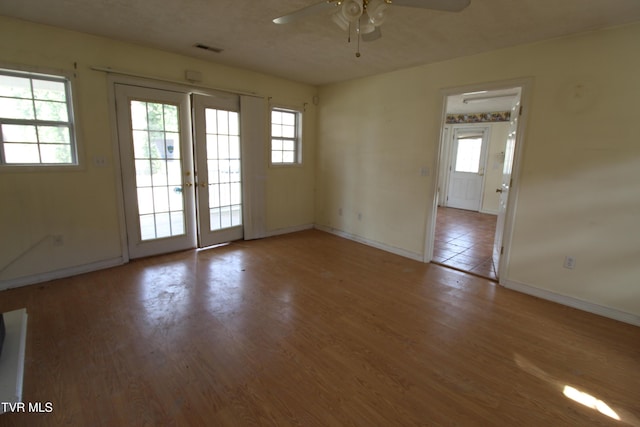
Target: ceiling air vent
x=205, y=47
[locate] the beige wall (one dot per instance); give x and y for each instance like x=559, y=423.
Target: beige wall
x=579, y=189
x=82, y=204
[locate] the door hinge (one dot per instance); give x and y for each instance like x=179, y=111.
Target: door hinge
x=511, y=183
x=501, y=250
x=520, y=113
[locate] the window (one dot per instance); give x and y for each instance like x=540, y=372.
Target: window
x=468, y=155
x=36, y=120
x=285, y=137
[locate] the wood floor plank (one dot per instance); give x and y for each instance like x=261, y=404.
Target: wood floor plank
x=310, y=329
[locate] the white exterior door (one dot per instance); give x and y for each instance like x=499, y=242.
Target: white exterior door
x=466, y=172
x=182, y=158
x=218, y=168
x=157, y=169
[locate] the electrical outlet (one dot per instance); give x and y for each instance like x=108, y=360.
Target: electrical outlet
x=57, y=240
x=569, y=262
x=100, y=161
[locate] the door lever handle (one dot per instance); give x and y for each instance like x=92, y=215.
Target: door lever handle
x=498, y=190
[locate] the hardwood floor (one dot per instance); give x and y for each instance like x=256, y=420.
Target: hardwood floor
x=464, y=240
x=310, y=329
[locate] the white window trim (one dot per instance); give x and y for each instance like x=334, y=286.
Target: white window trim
x=299, y=112
x=70, y=77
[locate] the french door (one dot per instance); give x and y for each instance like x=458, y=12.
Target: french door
x=466, y=177
x=181, y=169
x=218, y=165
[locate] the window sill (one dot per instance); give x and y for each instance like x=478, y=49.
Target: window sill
x=40, y=168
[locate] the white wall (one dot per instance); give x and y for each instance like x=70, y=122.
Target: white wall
x=579, y=189
x=82, y=204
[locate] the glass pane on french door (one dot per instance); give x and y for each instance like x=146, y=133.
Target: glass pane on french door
x=223, y=169
x=156, y=143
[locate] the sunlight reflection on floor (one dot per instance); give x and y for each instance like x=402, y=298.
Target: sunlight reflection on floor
x=576, y=395
x=589, y=401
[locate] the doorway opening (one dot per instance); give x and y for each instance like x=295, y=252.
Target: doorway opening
x=477, y=149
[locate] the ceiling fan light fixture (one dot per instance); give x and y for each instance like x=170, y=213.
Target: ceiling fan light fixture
x=352, y=9
x=376, y=11
x=339, y=19
x=365, y=25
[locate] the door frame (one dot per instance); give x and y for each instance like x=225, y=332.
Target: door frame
x=252, y=153
x=525, y=84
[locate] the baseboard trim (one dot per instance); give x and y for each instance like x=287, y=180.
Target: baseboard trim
x=372, y=243
x=590, y=307
x=288, y=230
x=59, y=274
x=489, y=211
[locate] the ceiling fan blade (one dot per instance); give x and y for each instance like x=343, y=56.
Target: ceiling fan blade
x=445, y=5
x=301, y=13
x=374, y=35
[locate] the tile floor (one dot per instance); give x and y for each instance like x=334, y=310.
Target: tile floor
x=464, y=240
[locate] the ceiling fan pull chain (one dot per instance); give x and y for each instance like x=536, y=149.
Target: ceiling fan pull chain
x=358, y=33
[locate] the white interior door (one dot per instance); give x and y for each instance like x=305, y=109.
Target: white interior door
x=466, y=172
x=505, y=186
x=218, y=168
x=157, y=169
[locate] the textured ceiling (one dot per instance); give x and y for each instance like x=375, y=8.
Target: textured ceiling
x=314, y=50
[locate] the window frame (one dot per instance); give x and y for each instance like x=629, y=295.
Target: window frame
x=60, y=76
x=297, y=139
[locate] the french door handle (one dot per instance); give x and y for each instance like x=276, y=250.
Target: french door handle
x=498, y=190
x=203, y=184
x=188, y=184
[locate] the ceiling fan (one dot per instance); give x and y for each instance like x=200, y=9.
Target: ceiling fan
x=366, y=16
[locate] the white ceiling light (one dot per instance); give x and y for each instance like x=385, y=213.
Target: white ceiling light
x=339, y=19
x=365, y=26
x=478, y=92
x=352, y=9
x=487, y=98
x=376, y=11
x=367, y=13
